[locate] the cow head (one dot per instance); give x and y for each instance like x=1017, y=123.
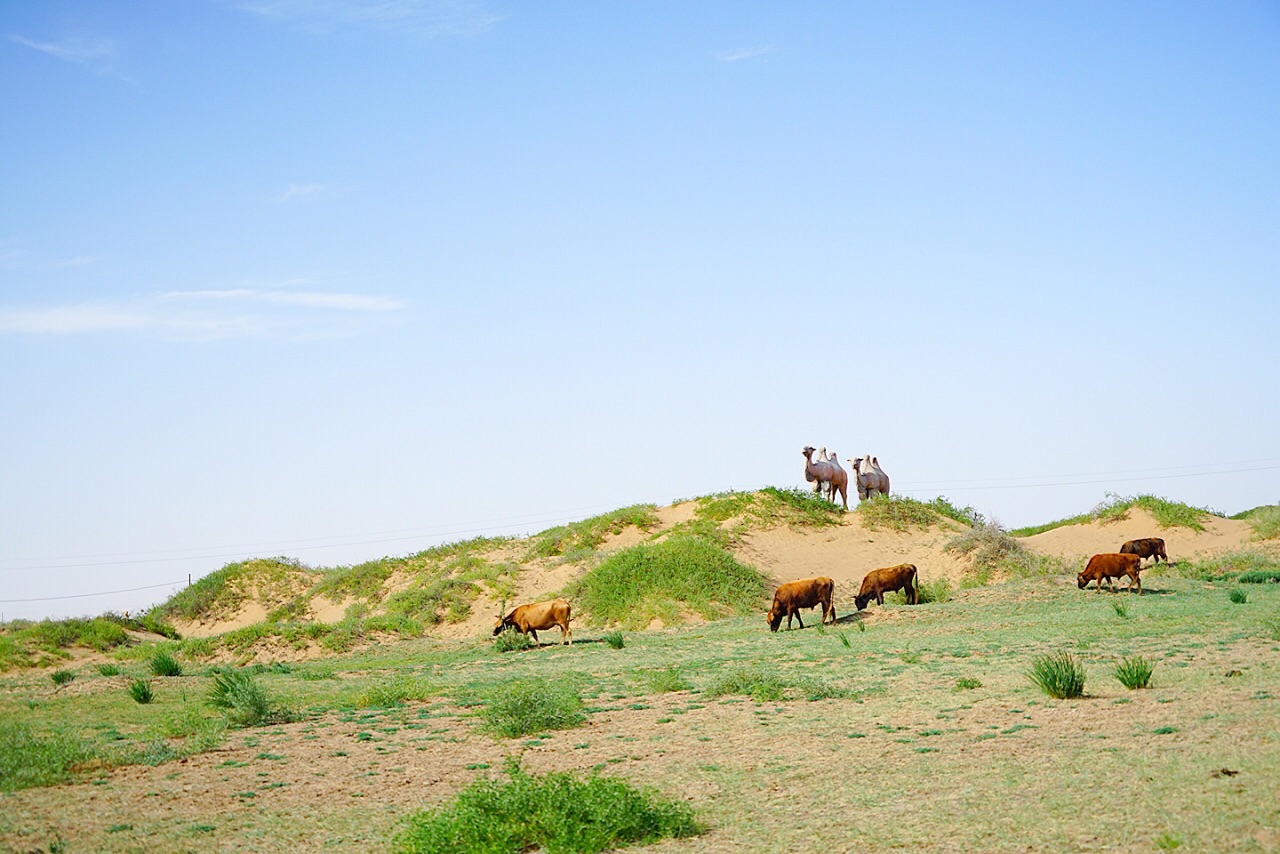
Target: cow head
x=1081, y=581
x=861, y=601
x=774, y=619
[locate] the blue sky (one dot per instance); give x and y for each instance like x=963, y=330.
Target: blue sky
x=345, y=279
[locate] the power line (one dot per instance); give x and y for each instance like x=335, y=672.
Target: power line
x=1092, y=482
x=86, y=595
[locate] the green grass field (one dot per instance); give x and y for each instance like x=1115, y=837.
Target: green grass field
x=900, y=728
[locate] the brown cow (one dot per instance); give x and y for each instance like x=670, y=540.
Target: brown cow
x=1152, y=547
x=528, y=619
x=806, y=593
x=881, y=581
x=1108, y=566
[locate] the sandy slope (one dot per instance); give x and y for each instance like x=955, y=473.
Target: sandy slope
x=1076, y=541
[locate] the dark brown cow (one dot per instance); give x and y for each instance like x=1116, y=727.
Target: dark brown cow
x=1108, y=566
x=1146, y=547
x=540, y=615
x=805, y=593
x=881, y=581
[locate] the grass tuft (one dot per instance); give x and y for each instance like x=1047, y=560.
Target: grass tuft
x=555, y=812
x=1060, y=675
x=140, y=691
x=1134, y=672
x=1238, y=595
x=614, y=639
x=666, y=680
x=394, y=691
x=109, y=669
x=164, y=664
x=527, y=706
x=62, y=677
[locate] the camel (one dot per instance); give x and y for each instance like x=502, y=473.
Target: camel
x=869, y=478
x=826, y=473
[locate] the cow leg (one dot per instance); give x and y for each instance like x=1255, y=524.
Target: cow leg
x=534, y=634
x=798, y=620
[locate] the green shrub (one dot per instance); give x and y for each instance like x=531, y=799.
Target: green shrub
x=512, y=641
x=938, y=590
x=665, y=680
x=682, y=573
x=62, y=677
x=614, y=639
x=434, y=600
x=556, y=812
x=526, y=706
x=241, y=697
x=766, y=684
x=140, y=691
x=967, y=683
x=1060, y=675
x=1121, y=609
x=393, y=691
x=164, y=664
x=1238, y=595
x=1134, y=672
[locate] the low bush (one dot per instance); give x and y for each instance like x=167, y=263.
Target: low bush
x=766, y=684
x=62, y=677
x=991, y=549
x=244, y=701
x=665, y=680
x=938, y=590
x=1238, y=595
x=1134, y=672
x=394, y=691
x=680, y=574
x=526, y=706
x=109, y=669
x=614, y=639
x=512, y=641
x=556, y=812
x=1060, y=675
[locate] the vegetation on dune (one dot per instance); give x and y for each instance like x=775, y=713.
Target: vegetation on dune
x=1168, y=514
x=1265, y=521
x=664, y=580
x=41, y=644
x=578, y=539
x=899, y=513
x=269, y=580
x=1248, y=566
x=992, y=550
x=556, y=812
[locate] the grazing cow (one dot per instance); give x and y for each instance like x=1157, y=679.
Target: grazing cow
x=527, y=619
x=806, y=593
x=1146, y=547
x=1109, y=566
x=881, y=581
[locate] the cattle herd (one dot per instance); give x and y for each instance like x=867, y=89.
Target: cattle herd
x=792, y=596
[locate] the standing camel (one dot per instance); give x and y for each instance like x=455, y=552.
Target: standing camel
x=869, y=478
x=824, y=473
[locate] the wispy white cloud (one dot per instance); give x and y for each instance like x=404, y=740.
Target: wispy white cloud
x=745, y=53
x=417, y=17
x=209, y=314
x=298, y=192
x=99, y=54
